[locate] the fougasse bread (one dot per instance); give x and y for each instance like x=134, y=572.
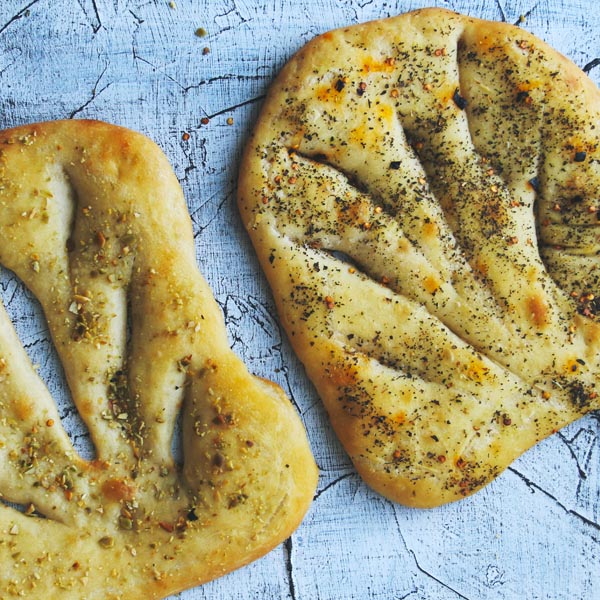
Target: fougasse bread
x=93, y=221
x=423, y=193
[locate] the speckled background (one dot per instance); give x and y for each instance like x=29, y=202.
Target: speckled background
x=534, y=532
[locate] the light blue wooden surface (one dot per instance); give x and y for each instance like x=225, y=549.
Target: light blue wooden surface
x=532, y=534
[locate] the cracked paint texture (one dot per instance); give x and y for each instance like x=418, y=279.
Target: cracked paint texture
x=534, y=533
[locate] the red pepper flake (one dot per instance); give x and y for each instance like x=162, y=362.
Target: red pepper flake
x=461, y=463
x=362, y=86
x=205, y=120
x=185, y=136
x=166, y=526
x=205, y=50
x=441, y=458
x=506, y=420
x=329, y=302
x=50, y=423
x=223, y=419
x=219, y=420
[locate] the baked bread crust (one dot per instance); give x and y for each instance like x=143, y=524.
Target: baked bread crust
x=422, y=194
x=93, y=221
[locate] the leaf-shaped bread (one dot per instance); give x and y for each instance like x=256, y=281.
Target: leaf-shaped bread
x=93, y=221
x=422, y=193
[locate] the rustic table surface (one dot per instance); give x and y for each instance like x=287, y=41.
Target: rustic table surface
x=534, y=532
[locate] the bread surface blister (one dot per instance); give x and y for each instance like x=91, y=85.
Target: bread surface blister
x=93, y=221
x=423, y=194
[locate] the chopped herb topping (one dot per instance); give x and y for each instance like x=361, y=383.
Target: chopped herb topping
x=459, y=100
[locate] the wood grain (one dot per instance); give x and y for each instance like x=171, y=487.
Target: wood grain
x=533, y=533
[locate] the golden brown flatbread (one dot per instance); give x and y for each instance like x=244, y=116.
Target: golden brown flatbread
x=423, y=195
x=93, y=221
